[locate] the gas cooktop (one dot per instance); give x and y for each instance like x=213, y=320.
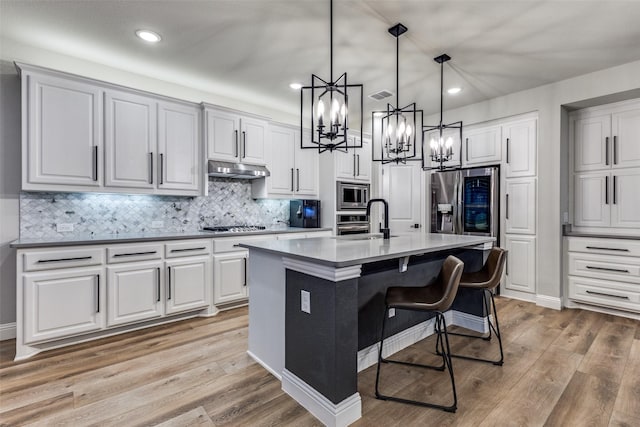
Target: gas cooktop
x=234, y=228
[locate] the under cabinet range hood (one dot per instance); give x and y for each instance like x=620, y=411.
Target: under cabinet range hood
x=236, y=170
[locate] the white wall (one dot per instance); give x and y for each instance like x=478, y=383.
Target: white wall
x=612, y=84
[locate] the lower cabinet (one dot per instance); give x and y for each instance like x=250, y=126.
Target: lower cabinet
x=230, y=276
x=520, y=273
x=134, y=292
x=61, y=303
x=187, y=284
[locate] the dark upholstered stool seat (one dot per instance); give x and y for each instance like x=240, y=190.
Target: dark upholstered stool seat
x=435, y=297
x=486, y=280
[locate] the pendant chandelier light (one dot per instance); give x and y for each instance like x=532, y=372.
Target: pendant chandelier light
x=398, y=130
x=441, y=146
x=325, y=105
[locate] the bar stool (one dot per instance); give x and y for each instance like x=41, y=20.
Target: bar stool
x=436, y=297
x=486, y=280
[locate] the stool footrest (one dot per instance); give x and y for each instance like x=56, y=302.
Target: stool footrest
x=478, y=359
x=459, y=334
x=451, y=408
x=400, y=362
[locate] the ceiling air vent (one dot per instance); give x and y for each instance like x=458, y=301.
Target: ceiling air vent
x=378, y=96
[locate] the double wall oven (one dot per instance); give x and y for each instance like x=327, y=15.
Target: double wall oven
x=352, y=199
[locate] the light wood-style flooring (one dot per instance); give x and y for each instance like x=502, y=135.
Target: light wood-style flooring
x=562, y=368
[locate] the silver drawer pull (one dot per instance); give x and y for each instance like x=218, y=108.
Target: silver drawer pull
x=607, y=249
x=608, y=295
x=81, y=258
x=188, y=249
x=135, y=253
x=617, y=270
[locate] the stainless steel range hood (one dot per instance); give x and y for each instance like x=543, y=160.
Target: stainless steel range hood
x=236, y=170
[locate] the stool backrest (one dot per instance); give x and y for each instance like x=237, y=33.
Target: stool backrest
x=495, y=266
x=449, y=280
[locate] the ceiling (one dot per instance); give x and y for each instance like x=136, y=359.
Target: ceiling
x=253, y=49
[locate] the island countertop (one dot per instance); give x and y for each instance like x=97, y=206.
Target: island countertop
x=345, y=251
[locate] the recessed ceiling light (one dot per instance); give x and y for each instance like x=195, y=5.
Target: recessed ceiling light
x=296, y=86
x=148, y=36
x=453, y=90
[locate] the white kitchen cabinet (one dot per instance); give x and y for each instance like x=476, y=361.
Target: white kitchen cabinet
x=591, y=199
x=520, y=206
x=294, y=171
x=520, y=140
x=130, y=140
x=355, y=164
x=520, y=273
x=179, y=148
x=401, y=187
x=188, y=280
x=482, y=145
x=625, y=198
x=62, y=303
x=234, y=137
x=230, y=276
x=591, y=138
x=625, y=130
x=134, y=292
x=62, y=132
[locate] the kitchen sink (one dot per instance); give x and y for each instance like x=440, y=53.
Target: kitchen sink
x=364, y=236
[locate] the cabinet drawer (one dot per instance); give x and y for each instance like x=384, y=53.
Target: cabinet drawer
x=228, y=244
x=621, y=247
x=62, y=258
x=187, y=248
x=128, y=253
x=603, y=292
x=626, y=269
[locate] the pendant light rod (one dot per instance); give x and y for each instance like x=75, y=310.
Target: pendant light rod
x=398, y=30
x=331, y=41
x=441, y=60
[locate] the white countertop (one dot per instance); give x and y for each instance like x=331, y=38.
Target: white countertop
x=342, y=251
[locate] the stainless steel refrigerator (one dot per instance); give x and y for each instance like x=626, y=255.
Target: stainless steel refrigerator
x=466, y=201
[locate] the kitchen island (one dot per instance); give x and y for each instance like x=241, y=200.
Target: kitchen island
x=315, y=308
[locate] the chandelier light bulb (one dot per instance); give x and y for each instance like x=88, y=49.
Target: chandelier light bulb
x=390, y=130
x=449, y=142
x=409, y=130
x=433, y=144
x=335, y=107
x=343, y=111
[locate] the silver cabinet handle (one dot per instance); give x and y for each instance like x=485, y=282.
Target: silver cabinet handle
x=606, y=150
x=237, y=153
x=507, y=151
x=297, y=179
x=291, y=179
x=80, y=258
x=615, y=150
x=608, y=249
x=245, y=272
x=189, y=249
x=615, y=192
x=161, y=168
x=244, y=144
x=358, y=156
x=169, y=283
x=467, y=149
x=507, y=206
x=158, y=283
x=354, y=165
x=607, y=295
x=150, y=168
x=615, y=270
x=134, y=254
x=606, y=190
x=95, y=162
x=97, y=293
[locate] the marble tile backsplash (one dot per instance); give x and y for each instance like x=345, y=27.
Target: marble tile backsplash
x=229, y=203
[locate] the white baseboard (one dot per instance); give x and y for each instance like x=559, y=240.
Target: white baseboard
x=7, y=331
x=549, y=302
x=329, y=413
x=278, y=375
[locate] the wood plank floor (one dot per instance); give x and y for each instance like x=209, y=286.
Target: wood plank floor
x=562, y=368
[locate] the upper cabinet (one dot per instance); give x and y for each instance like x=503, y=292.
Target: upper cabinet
x=481, y=145
x=151, y=144
x=61, y=132
x=606, y=139
x=520, y=139
x=235, y=137
x=294, y=171
x=355, y=164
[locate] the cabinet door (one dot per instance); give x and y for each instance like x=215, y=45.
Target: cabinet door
x=401, y=188
x=307, y=164
x=482, y=145
x=520, y=273
x=456, y=147
x=130, y=140
x=253, y=138
x=520, y=202
x=363, y=161
x=179, y=147
x=223, y=135
x=281, y=160
x=188, y=283
x=64, y=133
x=229, y=277
x=134, y=292
x=591, y=142
x=625, y=130
x=63, y=303
x=520, y=148
x=345, y=164
x=625, y=200
x=591, y=199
